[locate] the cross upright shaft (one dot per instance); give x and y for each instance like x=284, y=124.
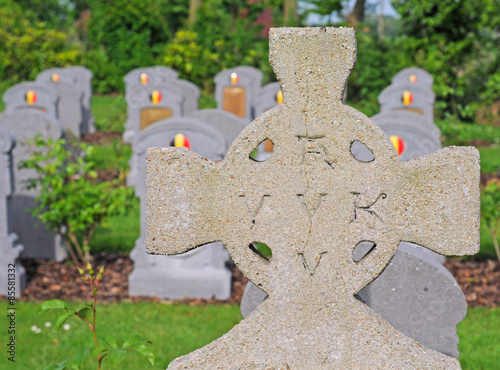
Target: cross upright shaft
x=312, y=202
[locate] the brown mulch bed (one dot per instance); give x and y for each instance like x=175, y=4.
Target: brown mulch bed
x=101, y=138
x=480, y=281
x=52, y=280
x=485, y=177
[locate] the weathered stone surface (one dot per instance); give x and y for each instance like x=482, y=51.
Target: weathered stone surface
x=70, y=103
x=38, y=242
x=32, y=95
x=10, y=266
x=312, y=202
x=236, y=90
x=197, y=274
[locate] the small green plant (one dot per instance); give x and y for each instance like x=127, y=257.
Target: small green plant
x=86, y=312
x=490, y=210
x=72, y=201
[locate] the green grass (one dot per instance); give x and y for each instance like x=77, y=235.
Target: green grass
x=179, y=329
x=110, y=113
x=118, y=234
x=174, y=330
x=109, y=157
x=479, y=339
x=490, y=158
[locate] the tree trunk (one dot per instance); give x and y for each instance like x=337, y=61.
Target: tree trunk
x=290, y=16
x=193, y=7
x=358, y=13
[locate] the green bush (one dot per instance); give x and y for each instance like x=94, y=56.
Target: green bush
x=28, y=48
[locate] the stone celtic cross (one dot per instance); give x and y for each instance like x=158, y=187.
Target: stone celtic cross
x=312, y=202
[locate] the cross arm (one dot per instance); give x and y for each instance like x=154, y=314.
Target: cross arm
x=440, y=201
x=180, y=201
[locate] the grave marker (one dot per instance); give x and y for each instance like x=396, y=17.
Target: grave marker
x=70, y=104
x=151, y=103
x=236, y=90
x=312, y=202
x=197, y=274
x=406, y=96
x=32, y=95
x=38, y=242
x=10, y=266
x=223, y=122
x=83, y=78
x=148, y=75
x=413, y=75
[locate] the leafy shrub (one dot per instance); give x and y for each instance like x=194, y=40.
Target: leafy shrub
x=71, y=202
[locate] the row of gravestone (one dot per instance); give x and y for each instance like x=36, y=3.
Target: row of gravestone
x=62, y=93
x=56, y=104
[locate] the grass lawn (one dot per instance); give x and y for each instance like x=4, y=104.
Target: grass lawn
x=179, y=329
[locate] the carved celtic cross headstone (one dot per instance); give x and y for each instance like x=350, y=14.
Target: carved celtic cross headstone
x=312, y=202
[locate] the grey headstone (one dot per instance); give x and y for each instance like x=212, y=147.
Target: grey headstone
x=43, y=98
x=11, y=268
x=312, y=202
x=37, y=241
x=70, y=104
x=197, y=274
x=83, y=78
x=227, y=124
x=143, y=110
x=238, y=95
x=422, y=99
x=148, y=75
x=191, y=94
x=418, y=296
x=413, y=75
x=420, y=136
x=266, y=98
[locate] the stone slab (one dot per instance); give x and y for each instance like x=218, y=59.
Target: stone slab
x=11, y=268
x=197, y=274
x=267, y=98
x=70, y=104
x=311, y=203
x=414, y=75
x=148, y=75
x=83, y=78
x=421, y=99
x=38, y=242
x=32, y=95
x=236, y=90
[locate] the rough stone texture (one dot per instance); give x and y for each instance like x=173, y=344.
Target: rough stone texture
x=37, y=241
x=46, y=98
x=139, y=100
x=311, y=203
x=226, y=124
x=266, y=98
x=391, y=98
x=9, y=248
x=249, y=79
x=70, y=104
x=414, y=75
x=198, y=274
